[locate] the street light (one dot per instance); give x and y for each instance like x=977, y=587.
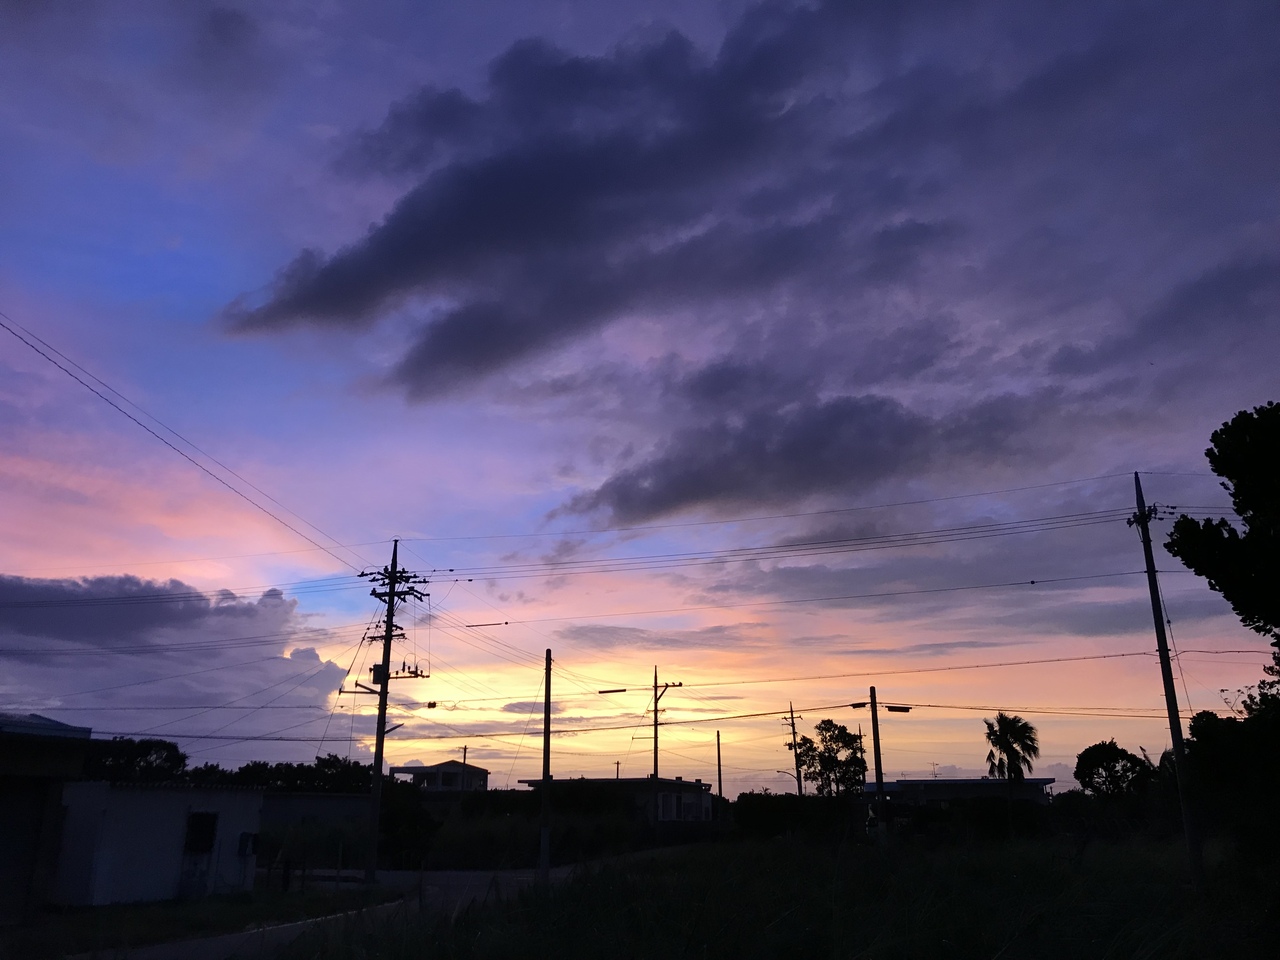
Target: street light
x=875, y=744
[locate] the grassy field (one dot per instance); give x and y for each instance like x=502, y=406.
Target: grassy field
x=788, y=898
x=58, y=933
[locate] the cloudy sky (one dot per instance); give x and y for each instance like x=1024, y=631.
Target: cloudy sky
x=780, y=346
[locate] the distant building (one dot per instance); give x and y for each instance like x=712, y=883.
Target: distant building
x=451, y=775
x=677, y=800
x=37, y=755
x=941, y=792
x=130, y=843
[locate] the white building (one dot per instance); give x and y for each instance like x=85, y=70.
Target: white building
x=447, y=776
x=126, y=843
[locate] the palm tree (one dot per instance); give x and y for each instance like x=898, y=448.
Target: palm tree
x=1013, y=746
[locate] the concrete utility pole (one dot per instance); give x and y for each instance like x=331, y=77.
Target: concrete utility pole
x=795, y=751
x=657, y=696
x=399, y=585
x=1142, y=519
x=719, y=769
x=875, y=747
x=544, y=843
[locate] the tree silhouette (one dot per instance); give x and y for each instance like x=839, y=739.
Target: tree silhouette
x=125, y=760
x=1108, y=770
x=1243, y=567
x=836, y=762
x=1013, y=746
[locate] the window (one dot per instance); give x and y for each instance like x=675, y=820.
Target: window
x=202, y=830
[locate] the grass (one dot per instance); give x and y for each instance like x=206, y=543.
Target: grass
x=57, y=933
x=786, y=898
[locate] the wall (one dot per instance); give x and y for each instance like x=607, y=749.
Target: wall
x=125, y=843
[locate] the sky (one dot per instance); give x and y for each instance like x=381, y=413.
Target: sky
x=786, y=348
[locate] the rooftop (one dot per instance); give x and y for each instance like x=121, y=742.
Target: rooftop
x=34, y=725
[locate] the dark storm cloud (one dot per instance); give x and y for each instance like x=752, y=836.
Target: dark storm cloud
x=780, y=454
x=125, y=655
x=877, y=241
x=116, y=610
x=582, y=189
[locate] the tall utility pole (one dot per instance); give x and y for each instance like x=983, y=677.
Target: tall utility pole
x=875, y=747
x=657, y=696
x=399, y=585
x=1142, y=518
x=719, y=769
x=544, y=843
x=795, y=752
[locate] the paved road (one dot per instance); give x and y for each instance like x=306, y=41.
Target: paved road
x=446, y=891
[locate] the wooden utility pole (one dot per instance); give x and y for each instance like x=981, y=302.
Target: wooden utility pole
x=1142, y=519
x=544, y=844
x=875, y=747
x=795, y=751
x=399, y=585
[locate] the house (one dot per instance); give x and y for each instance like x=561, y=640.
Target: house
x=677, y=800
x=136, y=842
x=37, y=755
x=451, y=775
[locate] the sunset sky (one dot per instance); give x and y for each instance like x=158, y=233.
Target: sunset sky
x=780, y=346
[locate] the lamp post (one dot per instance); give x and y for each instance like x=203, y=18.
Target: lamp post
x=875, y=746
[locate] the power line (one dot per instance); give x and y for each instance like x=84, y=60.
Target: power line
x=775, y=516
x=847, y=596
x=668, y=561
x=180, y=452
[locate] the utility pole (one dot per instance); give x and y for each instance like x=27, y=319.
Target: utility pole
x=875, y=747
x=1142, y=518
x=657, y=696
x=795, y=752
x=544, y=844
x=464, y=755
x=719, y=769
x=399, y=584
x=617, y=769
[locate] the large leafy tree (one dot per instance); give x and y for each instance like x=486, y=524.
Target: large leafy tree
x=1014, y=745
x=1109, y=770
x=836, y=762
x=1241, y=563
